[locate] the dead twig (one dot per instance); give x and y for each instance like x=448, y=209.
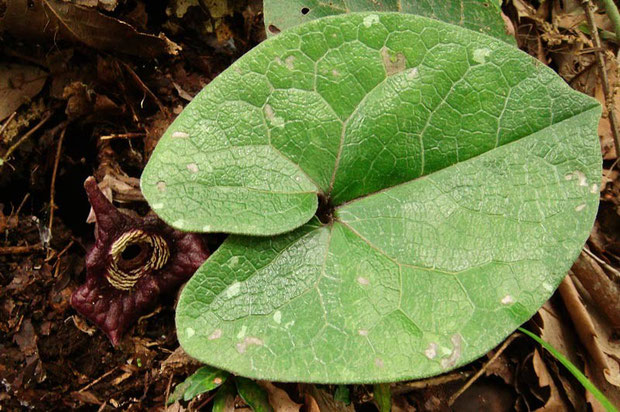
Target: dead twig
x=426, y=383
x=145, y=88
x=22, y=139
x=600, y=60
x=96, y=381
x=20, y=250
x=53, y=184
x=123, y=136
x=8, y=121
x=477, y=375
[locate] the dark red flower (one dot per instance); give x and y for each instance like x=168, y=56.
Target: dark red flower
x=133, y=262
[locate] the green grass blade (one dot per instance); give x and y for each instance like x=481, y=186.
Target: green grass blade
x=575, y=371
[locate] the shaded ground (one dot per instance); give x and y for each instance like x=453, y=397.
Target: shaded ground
x=97, y=95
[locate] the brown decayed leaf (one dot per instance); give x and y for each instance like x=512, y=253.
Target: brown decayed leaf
x=279, y=399
x=18, y=84
x=50, y=20
x=555, y=401
x=594, y=333
x=554, y=329
x=594, y=279
x=604, y=127
x=323, y=399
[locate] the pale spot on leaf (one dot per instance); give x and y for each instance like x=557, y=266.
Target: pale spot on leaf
x=507, y=300
x=192, y=167
x=363, y=281
x=480, y=55
x=363, y=332
x=189, y=332
x=451, y=361
x=289, y=62
x=217, y=333
x=271, y=116
x=233, y=290
x=277, y=317
x=180, y=135
x=431, y=351
x=580, y=207
x=370, y=20
x=250, y=340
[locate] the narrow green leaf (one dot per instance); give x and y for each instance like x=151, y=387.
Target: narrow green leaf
x=254, y=395
x=483, y=16
x=383, y=396
x=342, y=394
x=606, y=403
x=205, y=379
x=224, y=400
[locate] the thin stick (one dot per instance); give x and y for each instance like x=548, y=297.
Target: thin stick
x=90, y=385
x=145, y=88
x=20, y=250
x=53, y=184
x=6, y=124
x=24, y=137
x=123, y=136
x=474, y=378
x=600, y=60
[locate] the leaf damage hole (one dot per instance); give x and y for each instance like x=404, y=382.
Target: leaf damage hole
x=325, y=211
x=305, y=11
x=393, y=62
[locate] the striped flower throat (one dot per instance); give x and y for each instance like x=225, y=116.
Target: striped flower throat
x=135, y=254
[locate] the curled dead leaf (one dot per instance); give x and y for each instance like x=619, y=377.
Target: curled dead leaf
x=18, y=84
x=593, y=329
x=279, y=399
x=51, y=20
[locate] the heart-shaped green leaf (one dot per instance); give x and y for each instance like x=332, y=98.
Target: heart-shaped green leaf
x=461, y=178
x=478, y=15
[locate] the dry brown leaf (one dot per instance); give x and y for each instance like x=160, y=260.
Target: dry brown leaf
x=610, y=391
x=593, y=329
x=604, y=127
x=311, y=403
x=279, y=399
x=324, y=400
x=594, y=279
x=555, y=401
x=554, y=329
x=86, y=397
x=51, y=20
x=107, y=5
x=524, y=9
x=18, y=84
